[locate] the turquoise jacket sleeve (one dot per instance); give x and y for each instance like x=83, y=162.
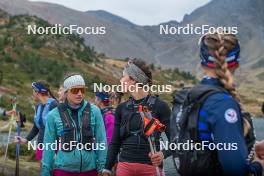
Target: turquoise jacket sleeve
x=49, y=138
x=100, y=138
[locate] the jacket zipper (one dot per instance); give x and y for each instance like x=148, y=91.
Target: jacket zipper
x=75, y=134
x=81, y=161
x=81, y=142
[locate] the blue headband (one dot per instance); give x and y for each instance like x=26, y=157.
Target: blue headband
x=40, y=88
x=232, y=59
x=103, y=96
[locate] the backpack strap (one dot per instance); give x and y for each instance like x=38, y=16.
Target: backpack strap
x=130, y=103
x=151, y=101
x=64, y=114
x=195, y=100
x=69, y=132
x=124, y=127
x=86, y=126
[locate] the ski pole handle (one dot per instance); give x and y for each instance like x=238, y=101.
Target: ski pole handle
x=151, y=146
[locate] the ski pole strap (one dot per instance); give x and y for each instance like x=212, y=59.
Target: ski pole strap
x=150, y=124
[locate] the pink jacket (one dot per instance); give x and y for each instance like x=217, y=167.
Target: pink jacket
x=109, y=120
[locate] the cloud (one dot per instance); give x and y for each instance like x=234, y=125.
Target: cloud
x=142, y=12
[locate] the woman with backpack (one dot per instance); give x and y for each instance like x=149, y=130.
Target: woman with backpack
x=135, y=157
x=79, y=127
x=219, y=117
x=103, y=102
x=46, y=102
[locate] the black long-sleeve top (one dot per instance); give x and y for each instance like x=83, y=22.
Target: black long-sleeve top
x=39, y=131
x=135, y=149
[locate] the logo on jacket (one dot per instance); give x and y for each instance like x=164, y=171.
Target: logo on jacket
x=231, y=115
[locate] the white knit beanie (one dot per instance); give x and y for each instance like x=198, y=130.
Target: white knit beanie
x=73, y=81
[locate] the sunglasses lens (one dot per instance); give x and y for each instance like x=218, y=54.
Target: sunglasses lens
x=76, y=90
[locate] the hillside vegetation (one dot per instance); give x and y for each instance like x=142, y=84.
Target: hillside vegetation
x=25, y=58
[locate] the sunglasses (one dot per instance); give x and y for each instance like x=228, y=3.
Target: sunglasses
x=76, y=90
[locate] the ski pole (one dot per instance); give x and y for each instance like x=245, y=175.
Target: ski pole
x=152, y=152
x=148, y=115
x=18, y=147
x=10, y=130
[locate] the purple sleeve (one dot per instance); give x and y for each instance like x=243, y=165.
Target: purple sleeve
x=109, y=126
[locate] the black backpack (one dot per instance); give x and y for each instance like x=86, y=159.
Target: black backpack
x=184, y=123
x=131, y=109
x=70, y=131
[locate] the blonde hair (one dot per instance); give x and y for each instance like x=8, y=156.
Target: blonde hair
x=219, y=45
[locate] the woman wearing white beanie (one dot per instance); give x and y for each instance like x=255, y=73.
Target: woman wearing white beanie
x=75, y=121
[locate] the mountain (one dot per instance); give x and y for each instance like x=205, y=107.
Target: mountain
x=124, y=39
x=26, y=58
x=110, y=17
x=116, y=34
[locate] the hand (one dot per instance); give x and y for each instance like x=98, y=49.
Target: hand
x=22, y=140
x=259, y=148
x=106, y=174
x=156, y=158
x=11, y=112
x=261, y=161
x=114, y=168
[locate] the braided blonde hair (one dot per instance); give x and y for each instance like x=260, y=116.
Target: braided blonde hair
x=219, y=45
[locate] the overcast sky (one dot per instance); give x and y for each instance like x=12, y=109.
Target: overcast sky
x=142, y=12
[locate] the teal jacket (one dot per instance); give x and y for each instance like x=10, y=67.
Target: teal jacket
x=76, y=160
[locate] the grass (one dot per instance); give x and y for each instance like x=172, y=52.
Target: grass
x=7, y=168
